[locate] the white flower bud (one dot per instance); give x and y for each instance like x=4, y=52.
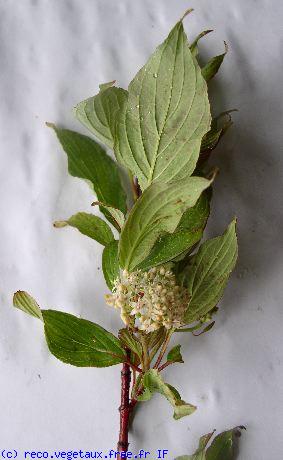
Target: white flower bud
x=149, y=300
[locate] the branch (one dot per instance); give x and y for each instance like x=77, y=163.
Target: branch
x=124, y=409
x=134, y=367
x=164, y=365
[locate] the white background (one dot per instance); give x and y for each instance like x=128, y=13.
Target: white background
x=53, y=54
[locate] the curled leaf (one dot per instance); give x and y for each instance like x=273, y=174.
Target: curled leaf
x=212, y=67
x=174, y=355
x=153, y=383
x=26, y=303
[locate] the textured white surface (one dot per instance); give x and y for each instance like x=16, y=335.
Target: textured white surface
x=54, y=54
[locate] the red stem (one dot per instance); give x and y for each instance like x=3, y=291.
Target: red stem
x=164, y=365
x=125, y=409
x=134, y=367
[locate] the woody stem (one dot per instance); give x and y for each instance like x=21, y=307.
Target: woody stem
x=125, y=409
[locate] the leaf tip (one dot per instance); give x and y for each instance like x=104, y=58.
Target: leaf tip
x=15, y=297
x=107, y=85
x=212, y=175
x=50, y=125
x=226, y=47
x=187, y=12
x=23, y=301
x=60, y=224
x=234, y=221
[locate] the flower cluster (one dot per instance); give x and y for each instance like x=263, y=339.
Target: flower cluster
x=149, y=300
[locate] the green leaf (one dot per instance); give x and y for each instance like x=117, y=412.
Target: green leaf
x=145, y=396
x=130, y=341
x=87, y=160
x=117, y=215
x=80, y=342
x=208, y=272
x=200, y=452
x=156, y=212
x=188, y=232
x=194, y=45
x=89, y=225
x=161, y=125
x=211, y=139
x=218, y=129
x=170, y=246
x=153, y=383
x=212, y=67
x=110, y=264
x=107, y=85
x=174, y=355
x=99, y=113
x=221, y=448
x=26, y=303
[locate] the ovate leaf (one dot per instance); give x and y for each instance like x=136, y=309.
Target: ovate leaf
x=174, y=355
x=221, y=448
x=88, y=160
x=156, y=212
x=212, y=67
x=188, y=232
x=208, y=273
x=99, y=113
x=26, y=303
x=153, y=383
x=166, y=115
x=80, y=342
x=89, y=225
x=110, y=264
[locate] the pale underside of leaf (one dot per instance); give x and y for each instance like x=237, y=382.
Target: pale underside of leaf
x=27, y=304
x=188, y=232
x=154, y=383
x=167, y=113
x=89, y=225
x=117, y=215
x=99, y=113
x=157, y=211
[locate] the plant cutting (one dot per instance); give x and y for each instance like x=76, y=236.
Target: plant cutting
x=161, y=279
